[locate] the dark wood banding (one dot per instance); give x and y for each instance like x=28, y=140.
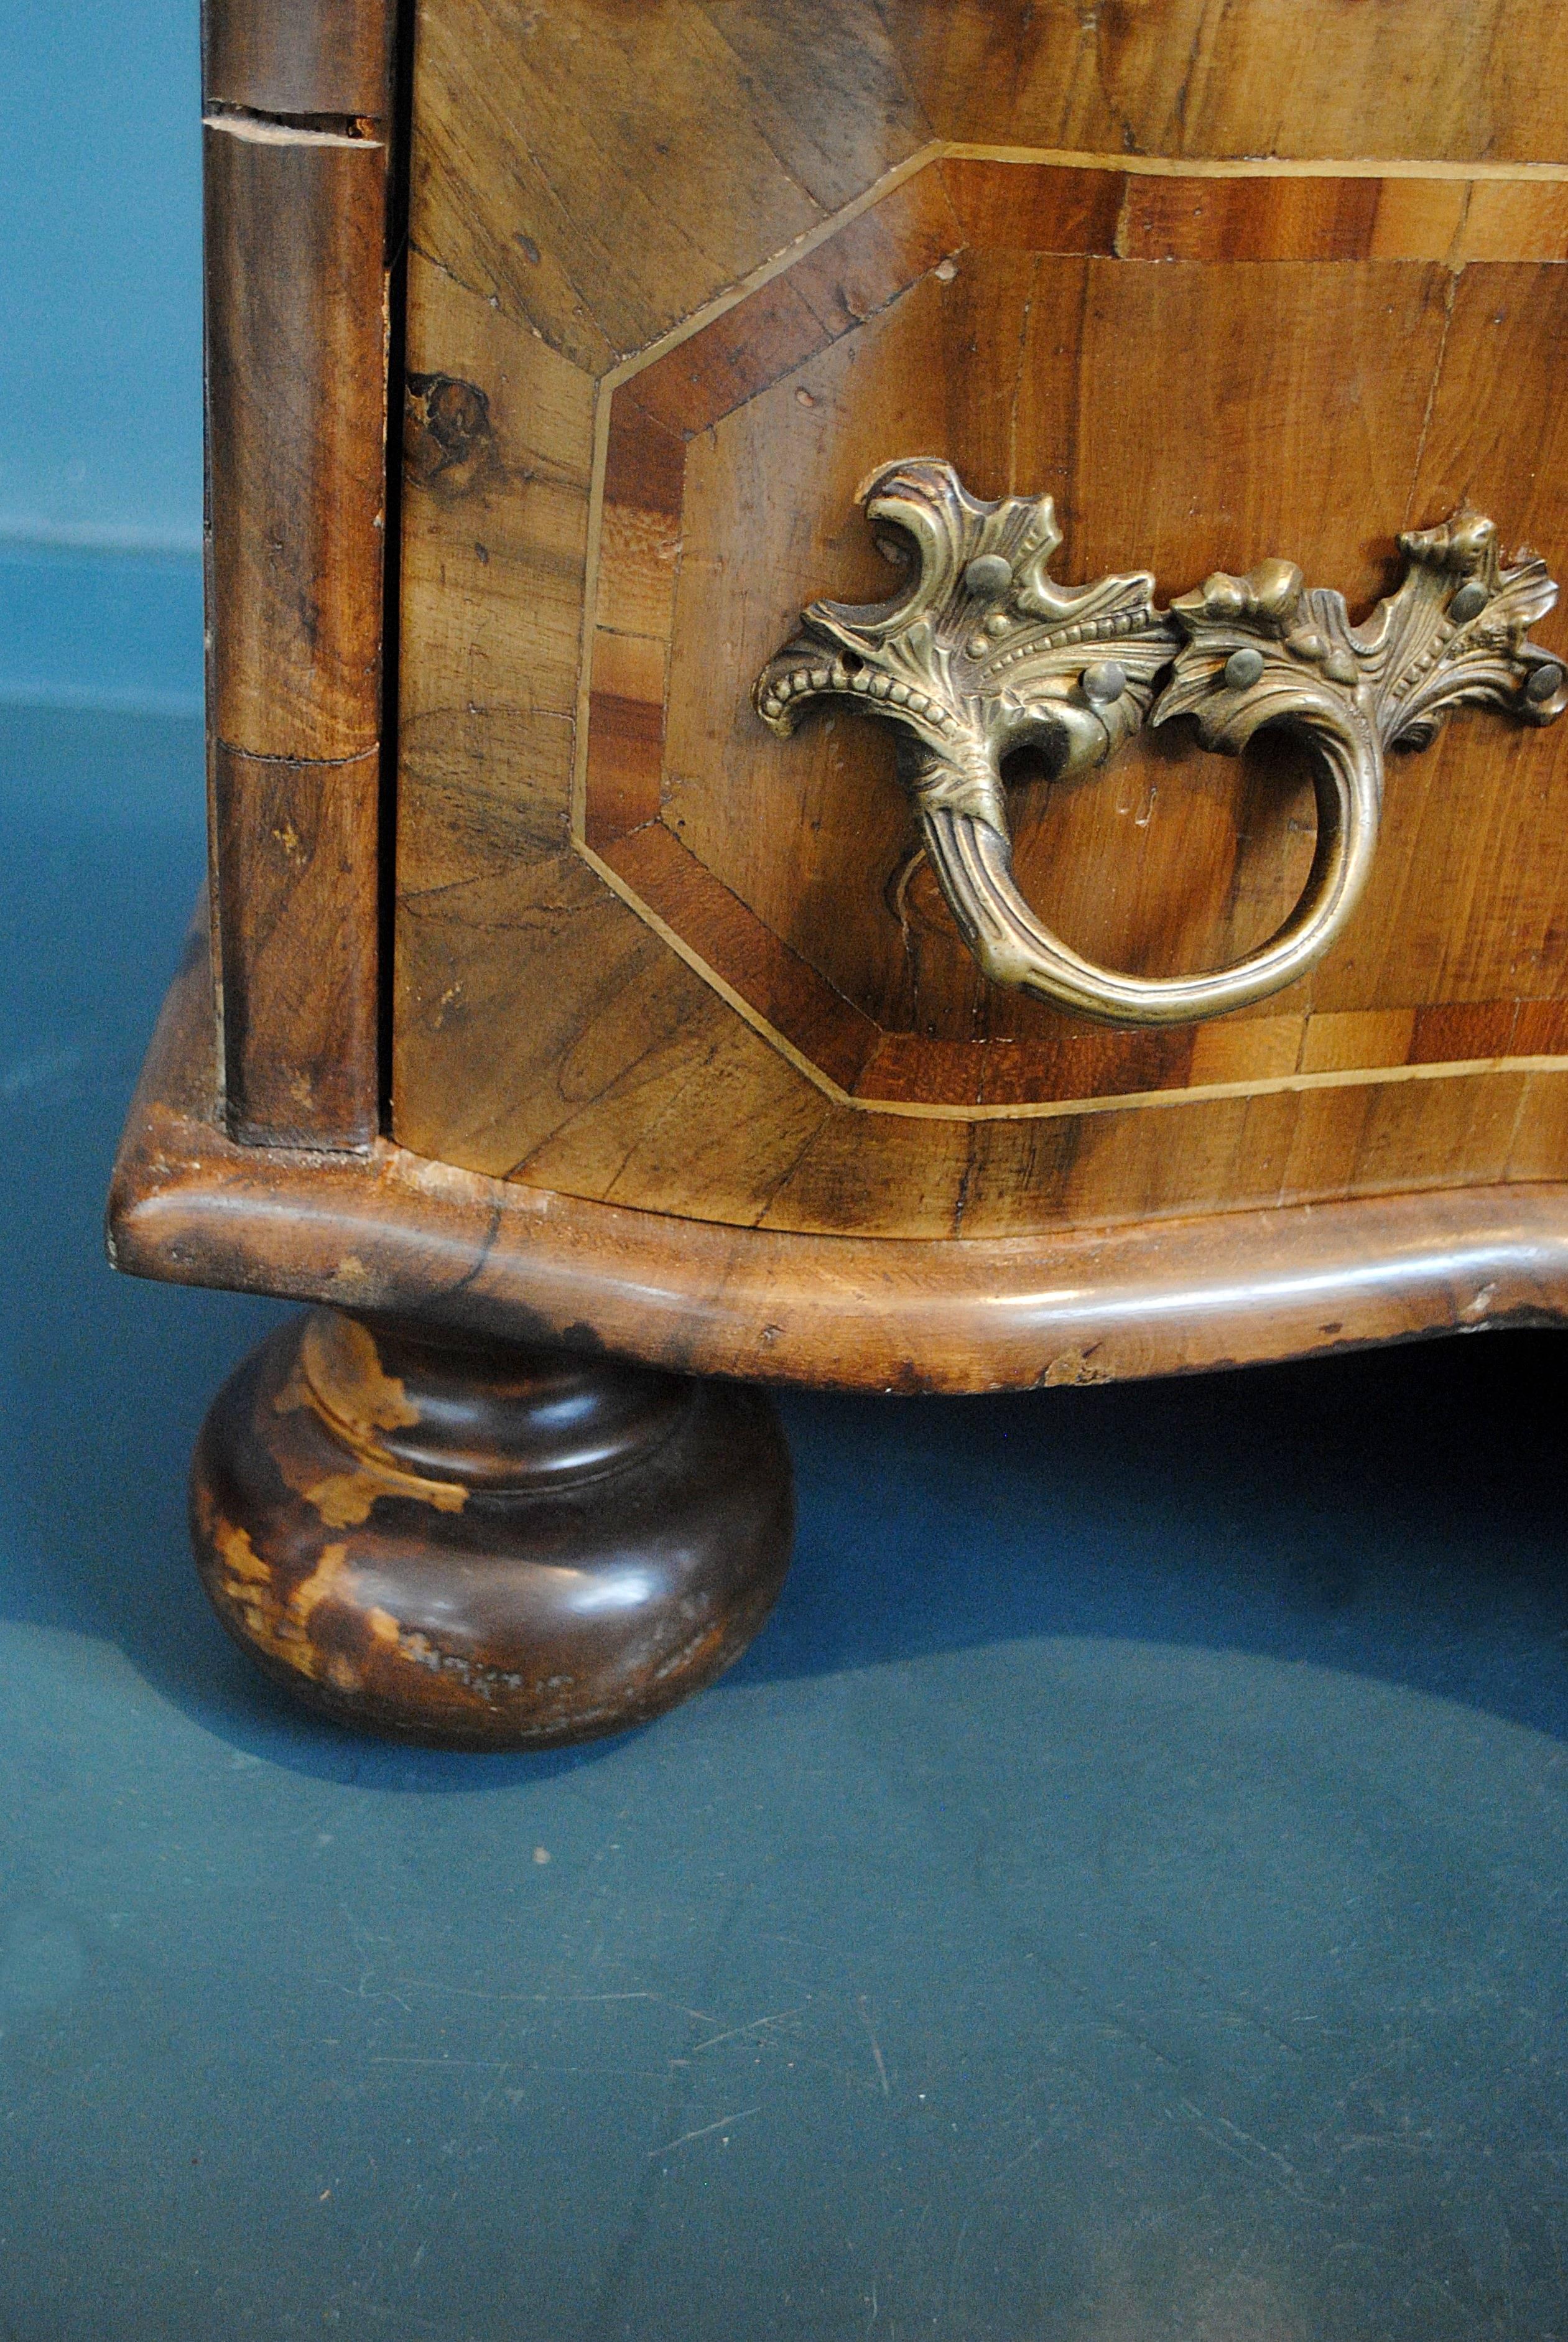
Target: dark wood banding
x=1033, y=207
x=1223, y=219
x=848, y=277
x=788, y=993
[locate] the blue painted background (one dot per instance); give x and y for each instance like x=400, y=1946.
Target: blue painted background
x=100, y=353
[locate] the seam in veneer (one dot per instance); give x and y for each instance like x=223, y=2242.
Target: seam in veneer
x=938, y=151
x=1450, y=295
x=1453, y=259
x=603, y=399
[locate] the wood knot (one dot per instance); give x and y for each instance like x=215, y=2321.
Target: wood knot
x=447, y=432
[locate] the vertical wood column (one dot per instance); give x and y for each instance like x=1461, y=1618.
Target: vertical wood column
x=296, y=118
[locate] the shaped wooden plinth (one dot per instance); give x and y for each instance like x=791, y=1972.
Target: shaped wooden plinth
x=480, y=1547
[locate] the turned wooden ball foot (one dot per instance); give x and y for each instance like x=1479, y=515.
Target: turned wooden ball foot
x=483, y=1547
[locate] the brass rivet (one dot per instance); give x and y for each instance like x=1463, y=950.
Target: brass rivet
x=1243, y=667
x=988, y=573
x=1544, y=683
x=1104, y=680
x=1468, y=603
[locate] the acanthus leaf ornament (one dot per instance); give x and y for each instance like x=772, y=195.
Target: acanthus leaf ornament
x=983, y=653
x=1455, y=631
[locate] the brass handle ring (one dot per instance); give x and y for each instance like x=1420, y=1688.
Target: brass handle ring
x=983, y=653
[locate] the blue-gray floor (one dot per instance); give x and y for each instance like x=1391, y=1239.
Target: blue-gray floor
x=1119, y=1898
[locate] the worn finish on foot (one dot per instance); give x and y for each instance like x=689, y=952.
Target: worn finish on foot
x=485, y=1547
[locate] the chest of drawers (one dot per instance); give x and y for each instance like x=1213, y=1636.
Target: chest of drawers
x=869, y=799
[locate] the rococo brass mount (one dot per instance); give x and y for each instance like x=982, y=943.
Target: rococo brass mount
x=983, y=653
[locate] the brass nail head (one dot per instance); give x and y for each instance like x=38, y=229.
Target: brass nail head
x=1103, y=680
x=988, y=575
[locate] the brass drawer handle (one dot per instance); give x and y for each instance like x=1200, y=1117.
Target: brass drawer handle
x=983, y=653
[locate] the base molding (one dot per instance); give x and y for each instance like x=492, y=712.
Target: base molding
x=389, y=1231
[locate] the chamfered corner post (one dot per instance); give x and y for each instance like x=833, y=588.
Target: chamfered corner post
x=296, y=139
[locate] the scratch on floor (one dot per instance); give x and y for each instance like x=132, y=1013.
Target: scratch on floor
x=875, y=2045
x=755, y=2025
x=722, y=2123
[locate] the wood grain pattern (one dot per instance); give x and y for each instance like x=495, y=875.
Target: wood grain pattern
x=296, y=851
x=1029, y=208
x=1507, y=221
x=1202, y=365
x=728, y=936
x=298, y=56
x=1462, y=81
x=393, y=1232
x=629, y=163
x=639, y=527
x=494, y=574
x=1235, y=219
x=296, y=352
x=832, y=290
x=296, y=407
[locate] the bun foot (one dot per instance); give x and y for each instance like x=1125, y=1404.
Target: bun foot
x=485, y=1547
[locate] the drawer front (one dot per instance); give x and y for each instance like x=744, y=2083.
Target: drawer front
x=673, y=298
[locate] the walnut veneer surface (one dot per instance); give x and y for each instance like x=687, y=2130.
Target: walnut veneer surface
x=680, y=278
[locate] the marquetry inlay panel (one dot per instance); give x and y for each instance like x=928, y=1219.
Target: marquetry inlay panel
x=646, y=954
